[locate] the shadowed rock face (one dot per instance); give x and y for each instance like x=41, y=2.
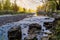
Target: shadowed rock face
x=15, y=33
x=34, y=29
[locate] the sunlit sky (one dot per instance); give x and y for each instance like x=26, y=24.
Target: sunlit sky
x=29, y=4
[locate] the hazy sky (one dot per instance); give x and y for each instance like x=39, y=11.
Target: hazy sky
x=32, y=4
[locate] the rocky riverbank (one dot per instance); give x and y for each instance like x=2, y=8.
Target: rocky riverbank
x=11, y=18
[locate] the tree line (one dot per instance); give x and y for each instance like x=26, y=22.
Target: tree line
x=7, y=5
x=50, y=6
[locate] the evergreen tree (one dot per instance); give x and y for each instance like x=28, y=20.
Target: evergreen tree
x=0, y=6
x=15, y=7
x=7, y=5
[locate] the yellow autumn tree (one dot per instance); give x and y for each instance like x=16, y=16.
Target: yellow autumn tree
x=20, y=9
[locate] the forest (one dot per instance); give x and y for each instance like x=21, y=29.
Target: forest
x=47, y=6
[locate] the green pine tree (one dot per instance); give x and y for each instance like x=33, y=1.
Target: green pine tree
x=6, y=5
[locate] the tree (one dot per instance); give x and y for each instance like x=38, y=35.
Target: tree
x=50, y=6
x=15, y=7
x=57, y=3
x=43, y=7
x=0, y=6
x=6, y=5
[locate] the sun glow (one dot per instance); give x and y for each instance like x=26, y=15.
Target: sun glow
x=28, y=4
